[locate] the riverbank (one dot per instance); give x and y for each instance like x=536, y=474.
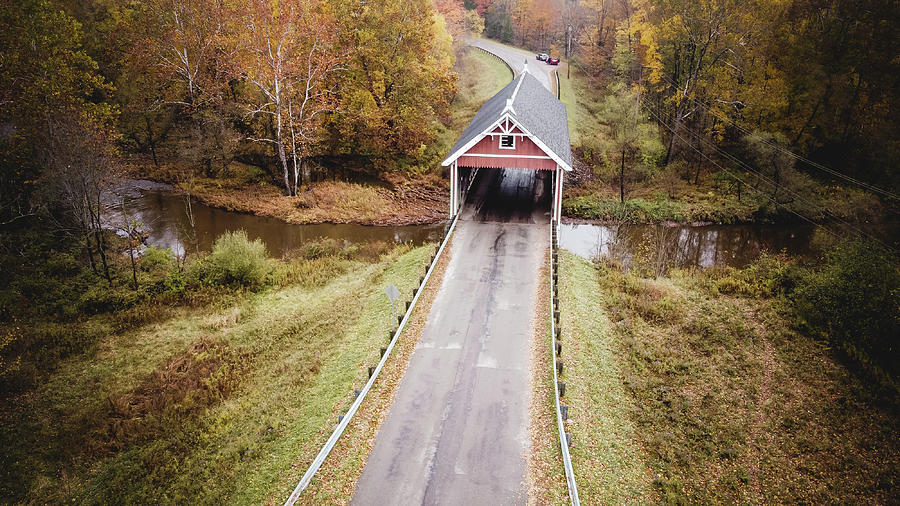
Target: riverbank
x=399, y=201
x=711, y=203
x=678, y=193
x=687, y=389
x=220, y=398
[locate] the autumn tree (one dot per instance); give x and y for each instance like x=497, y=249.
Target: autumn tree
x=188, y=43
x=44, y=70
x=628, y=136
x=398, y=81
x=774, y=165
x=287, y=53
x=685, y=44
x=79, y=172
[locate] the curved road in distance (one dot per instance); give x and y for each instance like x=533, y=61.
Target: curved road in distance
x=516, y=59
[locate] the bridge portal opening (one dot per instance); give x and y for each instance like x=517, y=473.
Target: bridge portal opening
x=509, y=196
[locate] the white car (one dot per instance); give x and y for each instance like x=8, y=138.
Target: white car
x=543, y=56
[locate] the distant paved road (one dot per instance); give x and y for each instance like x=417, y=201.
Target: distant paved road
x=456, y=432
x=516, y=59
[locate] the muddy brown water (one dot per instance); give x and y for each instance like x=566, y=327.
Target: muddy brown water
x=162, y=213
x=686, y=245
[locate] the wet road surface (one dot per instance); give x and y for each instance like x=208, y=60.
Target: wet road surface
x=456, y=432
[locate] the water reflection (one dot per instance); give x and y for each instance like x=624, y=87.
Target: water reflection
x=663, y=246
x=163, y=214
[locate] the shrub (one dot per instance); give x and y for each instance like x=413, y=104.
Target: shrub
x=324, y=247
x=154, y=259
x=317, y=272
x=236, y=260
x=100, y=298
x=854, y=299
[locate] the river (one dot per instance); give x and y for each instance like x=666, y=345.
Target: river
x=163, y=215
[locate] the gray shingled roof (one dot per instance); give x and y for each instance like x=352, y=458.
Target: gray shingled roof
x=536, y=109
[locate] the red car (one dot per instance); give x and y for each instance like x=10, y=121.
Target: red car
x=553, y=61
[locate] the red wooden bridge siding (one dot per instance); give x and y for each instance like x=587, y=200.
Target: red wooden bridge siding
x=527, y=155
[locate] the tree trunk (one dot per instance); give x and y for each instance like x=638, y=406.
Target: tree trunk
x=90, y=250
x=133, y=265
x=622, y=179
x=150, y=142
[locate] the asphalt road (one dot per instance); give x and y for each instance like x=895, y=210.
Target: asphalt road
x=456, y=432
x=516, y=59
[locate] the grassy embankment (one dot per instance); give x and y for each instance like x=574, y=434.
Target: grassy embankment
x=668, y=194
x=682, y=394
x=225, y=402
x=336, y=480
x=481, y=76
x=395, y=200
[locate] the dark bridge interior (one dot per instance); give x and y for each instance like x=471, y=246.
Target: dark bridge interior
x=509, y=196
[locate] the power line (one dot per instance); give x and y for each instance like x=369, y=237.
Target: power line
x=762, y=177
x=863, y=184
x=769, y=181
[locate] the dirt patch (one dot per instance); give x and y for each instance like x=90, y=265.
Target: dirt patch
x=182, y=387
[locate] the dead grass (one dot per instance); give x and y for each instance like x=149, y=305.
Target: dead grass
x=397, y=201
x=177, y=390
x=727, y=402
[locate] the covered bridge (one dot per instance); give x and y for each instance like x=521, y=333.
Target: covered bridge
x=524, y=126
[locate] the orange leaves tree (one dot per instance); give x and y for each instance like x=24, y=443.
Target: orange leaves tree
x=286, y=52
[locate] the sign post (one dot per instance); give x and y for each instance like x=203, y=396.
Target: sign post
x=392, y=293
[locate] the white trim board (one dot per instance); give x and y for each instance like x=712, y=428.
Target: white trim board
x=487, y=131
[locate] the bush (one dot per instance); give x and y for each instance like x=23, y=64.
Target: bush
x=100, y=298
x=317, y=272
x=768, y=276
x=155, y=259
x=236, y=260
x=854, y=299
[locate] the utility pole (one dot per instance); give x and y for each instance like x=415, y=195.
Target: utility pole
x=568, y=49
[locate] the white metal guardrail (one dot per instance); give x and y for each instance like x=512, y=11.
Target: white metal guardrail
x=511, y=70
x=563, y=437
x=339, y=430
x=558, y=91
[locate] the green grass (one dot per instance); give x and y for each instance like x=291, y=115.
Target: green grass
x=582, y=104
x=700, y=397
x=286, y=364
x=481, y=76
x=649, y=201
x=608, y=462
